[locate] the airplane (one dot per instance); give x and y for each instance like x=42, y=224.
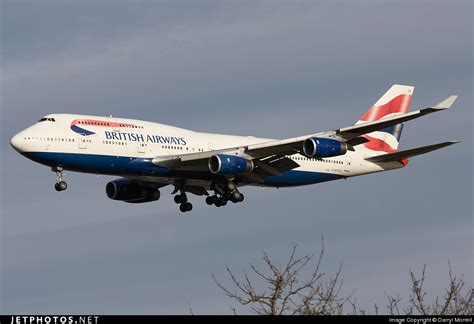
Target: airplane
x=148, y=156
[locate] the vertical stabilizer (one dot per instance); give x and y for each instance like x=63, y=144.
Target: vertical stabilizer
x=395, y=101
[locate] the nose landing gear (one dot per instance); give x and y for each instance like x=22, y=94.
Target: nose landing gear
x=60, y=184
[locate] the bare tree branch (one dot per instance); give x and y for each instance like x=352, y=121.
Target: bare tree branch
x=286, y=291
x=282, y=289
x=454, y=301
x=190, y=309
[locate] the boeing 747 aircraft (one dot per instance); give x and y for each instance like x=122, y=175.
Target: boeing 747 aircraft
x=148, y=156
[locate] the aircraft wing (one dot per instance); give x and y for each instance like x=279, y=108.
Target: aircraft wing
x=350, y=134
x=357, y=130
x=279, y=148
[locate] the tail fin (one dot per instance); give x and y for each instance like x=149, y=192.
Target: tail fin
x=395, y=101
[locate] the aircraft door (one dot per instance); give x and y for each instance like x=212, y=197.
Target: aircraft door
x=82, y=140
x=142, y=147
x=347, y=164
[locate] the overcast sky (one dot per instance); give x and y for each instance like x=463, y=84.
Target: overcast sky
x=271, y=69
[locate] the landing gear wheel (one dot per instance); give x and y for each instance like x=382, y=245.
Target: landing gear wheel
x=188, y=206
x=222, y=202
x=185, y=207
x=235, y=196
x=181, y=198
x=60, y=186
x=210, y=200
x=241, y=197
x=230, y=186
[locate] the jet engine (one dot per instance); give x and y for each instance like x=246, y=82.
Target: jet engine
x=229, y=164
x=318, y=147
x=131, y=192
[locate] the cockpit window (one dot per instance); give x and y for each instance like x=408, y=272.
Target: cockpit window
x=46, y=119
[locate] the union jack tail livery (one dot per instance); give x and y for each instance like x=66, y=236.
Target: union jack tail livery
x=394, y=102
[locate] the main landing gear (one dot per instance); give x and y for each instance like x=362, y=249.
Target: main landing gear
x=182, y=199
x=60, y=184
x=224, y=193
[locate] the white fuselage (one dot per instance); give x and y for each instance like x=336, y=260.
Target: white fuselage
x=106, y=145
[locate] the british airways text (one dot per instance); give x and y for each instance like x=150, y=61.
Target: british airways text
x=121, y=136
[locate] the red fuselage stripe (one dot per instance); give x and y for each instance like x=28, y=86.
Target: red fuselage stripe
x=92, y=122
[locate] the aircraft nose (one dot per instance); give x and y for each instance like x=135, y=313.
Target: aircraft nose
x=17, y=142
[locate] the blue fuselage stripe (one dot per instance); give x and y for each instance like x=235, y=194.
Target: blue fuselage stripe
x=138, y=166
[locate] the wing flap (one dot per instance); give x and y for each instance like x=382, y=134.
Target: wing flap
x=284, y=164
x=275, y=165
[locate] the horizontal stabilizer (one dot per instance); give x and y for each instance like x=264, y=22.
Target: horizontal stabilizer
x=398, y=156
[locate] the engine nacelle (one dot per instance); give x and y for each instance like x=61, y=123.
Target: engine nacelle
x=229, y=164
x=128, y=191
x=318, y=147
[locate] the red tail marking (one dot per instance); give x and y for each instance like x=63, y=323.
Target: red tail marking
x=397, y=104
x=404, y=162
x=376, y=144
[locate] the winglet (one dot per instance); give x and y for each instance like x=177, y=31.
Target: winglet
x=453, y=142
x=446, y=103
